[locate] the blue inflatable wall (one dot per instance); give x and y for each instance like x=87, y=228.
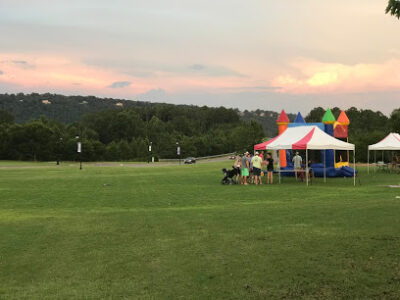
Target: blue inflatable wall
x=318, y=170
x=330, y=157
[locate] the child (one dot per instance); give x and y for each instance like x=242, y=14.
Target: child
x=237, y=167
x=310, y=170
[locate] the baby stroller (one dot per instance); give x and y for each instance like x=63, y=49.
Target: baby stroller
x=228, y=176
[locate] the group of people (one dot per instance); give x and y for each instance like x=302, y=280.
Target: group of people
x=250, y=168
x=299, y=171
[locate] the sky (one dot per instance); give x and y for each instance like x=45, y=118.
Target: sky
x=255, y=54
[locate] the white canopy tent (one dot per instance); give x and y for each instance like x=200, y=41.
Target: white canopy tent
x=390, y=142
x=309, y=138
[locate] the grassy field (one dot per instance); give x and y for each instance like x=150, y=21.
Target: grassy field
x=175, y=232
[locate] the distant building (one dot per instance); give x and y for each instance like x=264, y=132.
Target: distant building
x=84, y=102
x=120, y=104
x=46, y=102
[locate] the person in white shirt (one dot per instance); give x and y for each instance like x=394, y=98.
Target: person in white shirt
x=297, y=161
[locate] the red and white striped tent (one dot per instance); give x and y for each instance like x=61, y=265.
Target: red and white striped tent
x=391, y=142
x=308, y=138
x=261, y=146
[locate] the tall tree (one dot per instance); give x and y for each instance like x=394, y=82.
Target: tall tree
x=395, y=120
x=393, y=8
x=315, y=115
x=6, y=117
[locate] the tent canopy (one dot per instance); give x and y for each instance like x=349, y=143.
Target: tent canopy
x=306, y=137
x=261, y=146
x=390, y=142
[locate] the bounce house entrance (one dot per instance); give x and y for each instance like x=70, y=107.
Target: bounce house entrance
x=341, y=156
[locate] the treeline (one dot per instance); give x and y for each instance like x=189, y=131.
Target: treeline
x=45, y=127
x=125, y=134
x=71, y=109
x=266, y=118
x=366, y=126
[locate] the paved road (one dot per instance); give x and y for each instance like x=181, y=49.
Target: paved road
x=158, y=164
x=111, y=164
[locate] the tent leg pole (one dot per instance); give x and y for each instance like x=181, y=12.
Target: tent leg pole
x=368, y=161
x=391, y=161
x=375, y=161
x=279, y=166
x=324, y=168
x=354, y=166
x=307, y=166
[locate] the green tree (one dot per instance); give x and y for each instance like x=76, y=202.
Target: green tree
x=393, y=8
x=6, y=117
x=247, y=135
x=112, y=151
x=125, y=150
x=33, y=141
x=395, y=120
x=315, y=115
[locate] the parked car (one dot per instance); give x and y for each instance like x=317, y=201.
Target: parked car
x=190, y=160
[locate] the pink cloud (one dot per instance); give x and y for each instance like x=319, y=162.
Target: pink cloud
x=303, y=76
x=41, y=72
x=58, y=72
x=318, y=77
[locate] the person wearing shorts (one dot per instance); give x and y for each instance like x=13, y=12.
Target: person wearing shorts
x=237, y=167
x=297, y=161
x=257, y=168
x=270, y=169
x=250, y=168
x=245, y=168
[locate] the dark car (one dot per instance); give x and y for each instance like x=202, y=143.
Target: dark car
x=190, y=160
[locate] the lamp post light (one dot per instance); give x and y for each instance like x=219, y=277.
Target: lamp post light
x=79, y=150
x=150, y=145
x=178, y=151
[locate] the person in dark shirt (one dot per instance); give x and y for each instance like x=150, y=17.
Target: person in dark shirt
x=270, y=168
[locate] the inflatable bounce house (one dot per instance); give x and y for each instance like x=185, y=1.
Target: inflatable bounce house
x=335, y=161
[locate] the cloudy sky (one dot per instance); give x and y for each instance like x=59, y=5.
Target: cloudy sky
x=266, y=54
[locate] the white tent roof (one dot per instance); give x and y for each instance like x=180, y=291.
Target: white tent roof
x=390, y=142
x=307, y=137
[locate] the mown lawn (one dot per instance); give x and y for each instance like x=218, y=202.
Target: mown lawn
x=174, y=232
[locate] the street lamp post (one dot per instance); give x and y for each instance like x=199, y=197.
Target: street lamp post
x=79, y=150
x=150, y=146
x=178, y=151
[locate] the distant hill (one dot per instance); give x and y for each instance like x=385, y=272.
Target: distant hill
x=70, y=109
x=66, y=109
